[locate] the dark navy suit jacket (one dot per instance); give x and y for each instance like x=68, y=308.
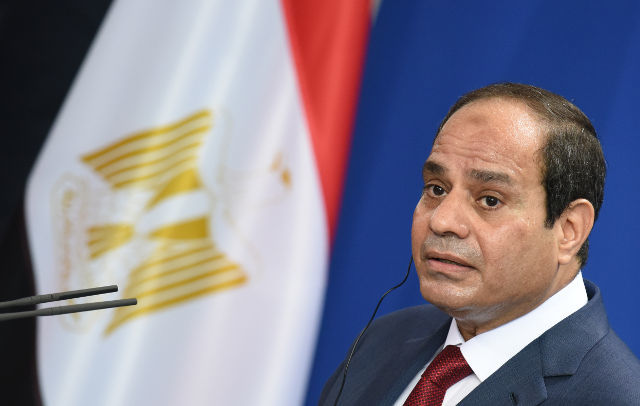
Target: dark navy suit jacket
x=579, y=361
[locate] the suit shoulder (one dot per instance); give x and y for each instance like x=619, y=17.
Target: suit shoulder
x=608, y=374
x=385, y=338
x=613, y=361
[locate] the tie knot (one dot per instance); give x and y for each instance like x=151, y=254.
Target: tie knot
x=448, y=367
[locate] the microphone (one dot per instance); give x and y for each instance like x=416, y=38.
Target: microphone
x=355, y=344
x=52, y=297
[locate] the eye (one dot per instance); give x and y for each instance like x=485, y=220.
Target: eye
x=435, y=190
x=490, y=201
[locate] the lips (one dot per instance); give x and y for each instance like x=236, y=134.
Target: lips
x=447, y=259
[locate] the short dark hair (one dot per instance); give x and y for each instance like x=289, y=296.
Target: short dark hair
x=573, y=165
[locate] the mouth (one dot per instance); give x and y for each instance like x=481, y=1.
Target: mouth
x=447, y=262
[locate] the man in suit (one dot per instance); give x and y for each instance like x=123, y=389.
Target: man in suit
x=512, y=187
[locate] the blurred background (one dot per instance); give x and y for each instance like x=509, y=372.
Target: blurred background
x=404, y=64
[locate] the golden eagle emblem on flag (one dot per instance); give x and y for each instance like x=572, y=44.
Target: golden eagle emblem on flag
x=182, y=260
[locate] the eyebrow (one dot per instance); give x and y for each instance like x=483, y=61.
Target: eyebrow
x=481, y=175
x=490, y=176
x=432, y=167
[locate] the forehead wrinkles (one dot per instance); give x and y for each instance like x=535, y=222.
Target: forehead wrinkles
x=470, y=154
x=492, y=131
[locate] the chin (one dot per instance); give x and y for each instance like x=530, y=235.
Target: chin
x=446, y=296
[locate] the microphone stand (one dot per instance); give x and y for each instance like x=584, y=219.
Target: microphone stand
x=52, y=297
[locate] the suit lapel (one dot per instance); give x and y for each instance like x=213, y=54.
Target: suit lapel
x=518, y=382
x=565, y=345
x=558, y=352
x=394, y=376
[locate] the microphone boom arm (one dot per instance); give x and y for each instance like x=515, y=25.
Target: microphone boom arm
x=52, y=297
x=83, y=307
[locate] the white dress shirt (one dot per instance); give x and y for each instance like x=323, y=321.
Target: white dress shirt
x=487, y=352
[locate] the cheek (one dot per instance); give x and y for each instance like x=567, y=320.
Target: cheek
x=419, y=225
x=519, y=254
x=507, y=246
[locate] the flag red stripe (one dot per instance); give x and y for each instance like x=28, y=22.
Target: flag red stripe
x=328, y=40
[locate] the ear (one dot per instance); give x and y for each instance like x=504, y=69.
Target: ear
x=575, y=224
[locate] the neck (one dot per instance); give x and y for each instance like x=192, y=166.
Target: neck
x=472, y=323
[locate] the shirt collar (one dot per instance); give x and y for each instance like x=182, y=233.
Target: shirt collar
x=487, y=352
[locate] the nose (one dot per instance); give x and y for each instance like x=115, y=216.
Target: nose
x=449, y=217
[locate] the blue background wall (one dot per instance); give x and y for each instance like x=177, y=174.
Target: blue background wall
x=422, y=56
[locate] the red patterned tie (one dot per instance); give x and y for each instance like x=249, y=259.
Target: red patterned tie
x=445, y=370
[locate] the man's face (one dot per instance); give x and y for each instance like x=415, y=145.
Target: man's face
x=479, y=242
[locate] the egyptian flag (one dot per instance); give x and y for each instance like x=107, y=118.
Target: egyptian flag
x=197, y=162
